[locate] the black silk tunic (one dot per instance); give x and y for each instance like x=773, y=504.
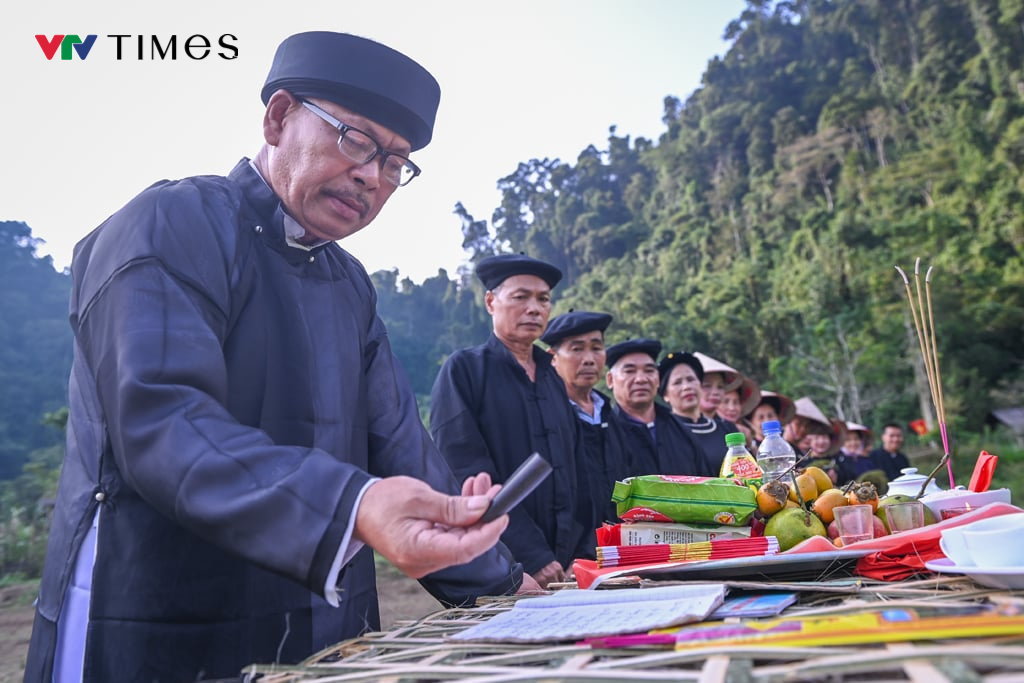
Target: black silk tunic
x=230, y=397
x=708, y=434
x=487, y=416
x=669, y=450
x=607, y=461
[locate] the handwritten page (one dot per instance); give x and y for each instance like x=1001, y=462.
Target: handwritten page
x=575, y=614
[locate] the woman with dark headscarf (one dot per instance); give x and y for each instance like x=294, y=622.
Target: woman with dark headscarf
x=682, y=375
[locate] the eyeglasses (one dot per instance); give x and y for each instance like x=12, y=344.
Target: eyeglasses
x=361, y=148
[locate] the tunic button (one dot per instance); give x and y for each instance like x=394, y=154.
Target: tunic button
x=100, y=496
x=258, y=229
x=312, y=258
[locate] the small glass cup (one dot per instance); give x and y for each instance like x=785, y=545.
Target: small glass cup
x=950, y=513
x=855, y=523
x=905, y=516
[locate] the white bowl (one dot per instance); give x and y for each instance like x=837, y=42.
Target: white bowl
x=959, y=498
x=996, y=547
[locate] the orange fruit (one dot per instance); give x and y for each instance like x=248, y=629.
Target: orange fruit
x=863, y=493
x=808, y=489
x=826, y=502
x=771, y=497
x=821, y=478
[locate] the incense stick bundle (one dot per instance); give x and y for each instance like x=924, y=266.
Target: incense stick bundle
x=623, y=555
x=924, y=324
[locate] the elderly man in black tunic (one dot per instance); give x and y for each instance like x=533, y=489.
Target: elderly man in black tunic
x=493, y=405
x=240, y=436
x=576, y=341
x=657, y=441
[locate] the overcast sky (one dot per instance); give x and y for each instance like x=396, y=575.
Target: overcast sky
x=519, y=80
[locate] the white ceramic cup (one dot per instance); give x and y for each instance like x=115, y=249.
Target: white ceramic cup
x=997, y=547
x=955, y=547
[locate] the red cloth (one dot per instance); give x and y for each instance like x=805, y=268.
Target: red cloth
x=609, y=534
x=818, y=544
x=900, y=561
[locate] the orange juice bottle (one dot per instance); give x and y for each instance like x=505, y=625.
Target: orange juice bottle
x=739, y=463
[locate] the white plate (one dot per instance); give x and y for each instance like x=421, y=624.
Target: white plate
x=1011, y=578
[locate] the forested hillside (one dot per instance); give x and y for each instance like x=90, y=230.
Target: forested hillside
x=35, y=346
x=833, y=141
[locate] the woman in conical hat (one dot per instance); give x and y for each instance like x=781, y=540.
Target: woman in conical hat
x=771, y=406
x=738, y=402
x=718, y=378
x=853, y=460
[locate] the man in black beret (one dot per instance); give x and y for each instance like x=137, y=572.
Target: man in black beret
x=576, y=345
x=494, y=404
x=657, y=441
x=240, y=434
x=493, y=270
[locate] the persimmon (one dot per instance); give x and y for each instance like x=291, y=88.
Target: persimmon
x=863, y=493
x=771, y=497
x=826, y=502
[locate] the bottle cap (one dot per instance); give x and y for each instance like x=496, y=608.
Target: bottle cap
x=735, y=439
x=770, y=426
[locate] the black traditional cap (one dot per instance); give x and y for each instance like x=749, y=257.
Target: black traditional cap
x=359, y=74
x=494, y=270
x=572, y=323
x=673, y=359
x=613, y=353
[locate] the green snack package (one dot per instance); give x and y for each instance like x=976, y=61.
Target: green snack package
x=684, y=499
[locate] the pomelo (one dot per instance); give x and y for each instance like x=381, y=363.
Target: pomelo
x=793, y=525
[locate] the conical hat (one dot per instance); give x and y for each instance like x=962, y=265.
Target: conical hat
x=750, y=394
x=838, y=436
x=806, y=408
x=866, y=434
x=731, y=376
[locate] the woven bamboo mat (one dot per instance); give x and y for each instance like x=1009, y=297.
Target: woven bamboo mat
x=420, y=651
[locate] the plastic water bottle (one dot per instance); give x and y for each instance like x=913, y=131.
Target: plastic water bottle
x=738, y=462
x=774, y=455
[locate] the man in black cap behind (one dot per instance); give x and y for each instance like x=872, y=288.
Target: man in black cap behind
x=493, y=405
x=240, y=433
x=657, y=441
x=576, y=341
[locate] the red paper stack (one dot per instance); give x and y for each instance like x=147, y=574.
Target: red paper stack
x=624, y=555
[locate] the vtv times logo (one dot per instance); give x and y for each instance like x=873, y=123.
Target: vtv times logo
x=65, y=43
x=196, y=46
